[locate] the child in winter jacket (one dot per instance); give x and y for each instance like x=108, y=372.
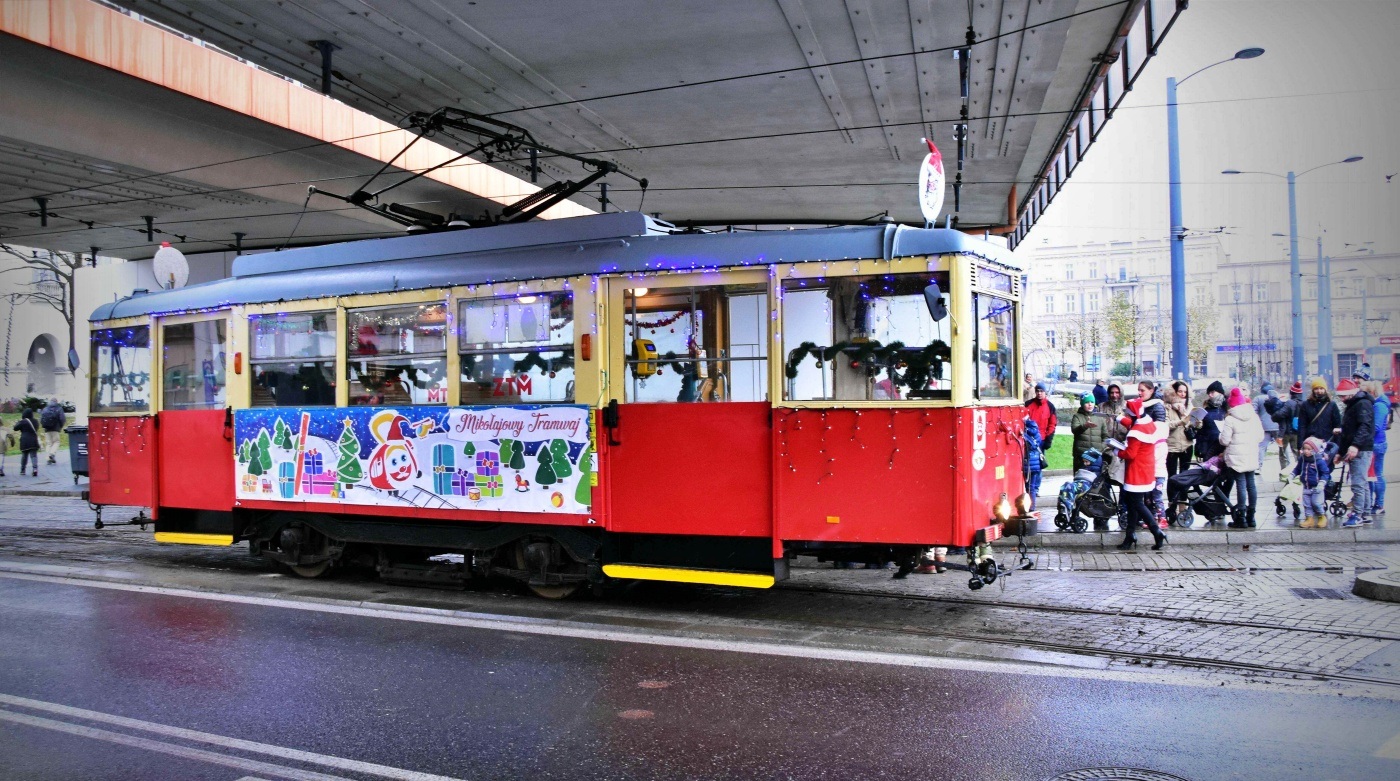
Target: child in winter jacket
x=1034, y=459
x=1314, y=470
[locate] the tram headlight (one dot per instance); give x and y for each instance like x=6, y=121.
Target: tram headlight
x=1024, y=504
x=1002, y=509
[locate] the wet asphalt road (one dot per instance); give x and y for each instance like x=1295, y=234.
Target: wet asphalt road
x=485, y=704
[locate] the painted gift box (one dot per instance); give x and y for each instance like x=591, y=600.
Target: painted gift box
x=462, y=482
x=489, y=485
x=250, y=484
x=312, y=463
x=444, y=459
x=322, y=484
x=286, y=479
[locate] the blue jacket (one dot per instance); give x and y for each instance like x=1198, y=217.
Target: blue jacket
x=1208, y=436
x=1034, y=458
x=1313, y=470
x=1381, y=418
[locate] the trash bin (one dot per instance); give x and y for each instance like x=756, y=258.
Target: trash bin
x=78, y=451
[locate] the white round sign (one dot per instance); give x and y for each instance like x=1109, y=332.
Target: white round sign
x=170, y=268
x=931, y=183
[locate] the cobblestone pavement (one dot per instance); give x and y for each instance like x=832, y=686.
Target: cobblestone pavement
x=1284, y=613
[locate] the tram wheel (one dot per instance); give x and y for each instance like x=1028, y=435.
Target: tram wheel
x=555, y=560
x=310, y=571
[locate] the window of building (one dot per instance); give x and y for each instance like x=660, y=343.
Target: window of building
x=1069, y=271
x=1049, y=304
x=1050, y=338
x=865, y=339
x=995, y=347
x=1347, y=363
x=1310, y=289
x=292, y=359
x=1093, y=269
x=120, y=378
x=397, y=355
x=1198, y=368
x=1310, y=326
x=1071, y=303
x=1261, y=291
x=193, y=361
x=518, y=349
x=1091, y=303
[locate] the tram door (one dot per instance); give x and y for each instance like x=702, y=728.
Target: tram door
x=196, y=435
x=691, y=451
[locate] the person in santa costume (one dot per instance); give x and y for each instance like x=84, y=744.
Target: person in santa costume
x=1140, y=470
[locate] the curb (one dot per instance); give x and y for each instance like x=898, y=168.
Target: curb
x=75, y=493
x=1179, y=537
x=1382, y=585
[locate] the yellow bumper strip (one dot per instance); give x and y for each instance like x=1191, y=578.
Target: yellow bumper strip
x=189, y=538
x=708, y=576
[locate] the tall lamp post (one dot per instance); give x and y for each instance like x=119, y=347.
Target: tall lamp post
x=1295, y=270
x=1181, y=359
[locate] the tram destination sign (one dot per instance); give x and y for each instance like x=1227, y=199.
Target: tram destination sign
x=517, y=459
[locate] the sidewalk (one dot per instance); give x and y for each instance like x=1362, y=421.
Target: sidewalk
x=53, y=479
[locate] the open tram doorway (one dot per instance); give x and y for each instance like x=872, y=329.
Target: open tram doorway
x=42, y=364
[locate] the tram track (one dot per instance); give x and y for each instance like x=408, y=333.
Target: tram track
x=1064, y=609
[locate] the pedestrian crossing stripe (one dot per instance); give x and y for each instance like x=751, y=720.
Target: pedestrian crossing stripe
x=1391, y=749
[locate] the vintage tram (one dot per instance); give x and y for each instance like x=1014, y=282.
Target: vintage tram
x=573, y=401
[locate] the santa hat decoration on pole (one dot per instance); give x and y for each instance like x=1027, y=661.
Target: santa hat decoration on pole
x=931, y=184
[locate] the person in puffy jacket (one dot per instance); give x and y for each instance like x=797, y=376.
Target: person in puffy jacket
x=1208, y=427
x=1356, y=446
x=1318, y=416
x=1042, y=411
x=1286, y=416
x=1240, y=435
x=28, y=441
x=1033, y=462
x=1313, y=470
x=1140, y=473
x=1381, y=420
x=1178, y=400
x=1265, y=404
x=1087, y=429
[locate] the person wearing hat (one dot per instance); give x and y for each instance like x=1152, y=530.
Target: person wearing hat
x=1208, y=425
x=1086, y=428
x=1286, y=416
x=1140, y=473
x=1380, y=418
x=1265, y=403
x=1112, y=410
x=1100, y=393
x=1356, y=447
x=1042, y=411
x=1240, y=435
x=1318, y=416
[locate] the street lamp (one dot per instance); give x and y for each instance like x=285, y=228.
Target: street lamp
x=1295, y=276
x=1181, y=363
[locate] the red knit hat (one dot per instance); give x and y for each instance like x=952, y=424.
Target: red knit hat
x=1297, y=387
x=1237, y=398
x=1346, y=388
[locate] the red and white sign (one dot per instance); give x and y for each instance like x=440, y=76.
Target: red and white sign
x=1390, y=340
x=931, y=183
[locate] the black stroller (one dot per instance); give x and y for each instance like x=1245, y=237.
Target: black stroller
x=1332, y=492
x=1100, y=502
x=1198, y=491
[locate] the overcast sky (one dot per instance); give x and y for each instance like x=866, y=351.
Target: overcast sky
x=1328, y=86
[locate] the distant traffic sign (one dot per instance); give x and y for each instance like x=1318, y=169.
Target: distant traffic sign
x=1245, y=348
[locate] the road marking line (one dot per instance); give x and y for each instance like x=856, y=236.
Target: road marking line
x=1390, y=750
x=281, y=752
x=168, y=748
x=562, y=628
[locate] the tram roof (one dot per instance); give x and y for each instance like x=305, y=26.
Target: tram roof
x=621, y=242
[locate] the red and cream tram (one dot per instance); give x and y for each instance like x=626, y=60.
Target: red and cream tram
x=571, y=401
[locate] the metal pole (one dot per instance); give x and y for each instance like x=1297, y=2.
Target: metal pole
x=1364, y=335
x=1181, y=365
x=1295, y=278
x=1324, y=314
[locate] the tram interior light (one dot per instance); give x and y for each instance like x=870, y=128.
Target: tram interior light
x=933, y=297
x=638, y=292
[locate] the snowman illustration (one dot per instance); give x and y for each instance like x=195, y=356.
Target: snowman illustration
x=393, y=462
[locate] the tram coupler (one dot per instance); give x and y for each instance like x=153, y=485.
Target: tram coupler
x=140, y=519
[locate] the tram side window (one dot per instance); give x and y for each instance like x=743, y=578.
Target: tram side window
x=293, y=359
x=996, y=347
x=518, y=349
x=868, y=338
x=192, y=360
x=121, y=370
x=697, y=344
x=397, y=355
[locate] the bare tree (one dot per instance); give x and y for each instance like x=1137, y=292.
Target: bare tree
x=1123, y=321
x=1083, y=335
x=57, y=291
x=1202, y=319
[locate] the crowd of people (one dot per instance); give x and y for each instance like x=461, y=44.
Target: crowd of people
x=1162, y=433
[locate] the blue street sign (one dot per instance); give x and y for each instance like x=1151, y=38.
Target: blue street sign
x=1245, y=348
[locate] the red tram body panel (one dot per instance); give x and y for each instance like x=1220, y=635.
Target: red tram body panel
x=122, y=461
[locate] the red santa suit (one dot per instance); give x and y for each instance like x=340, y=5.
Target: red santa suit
x=1140, y=457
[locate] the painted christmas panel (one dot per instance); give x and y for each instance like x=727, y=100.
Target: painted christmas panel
x=518, y=459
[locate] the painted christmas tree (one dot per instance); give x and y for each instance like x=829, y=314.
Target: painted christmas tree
x=243, y=452
x=545, y=474
x=559, y=455
x=348, y=466
x=513, y=453
x=282, y=435
x=260, y=457
x=584, y=493
x=469, y=450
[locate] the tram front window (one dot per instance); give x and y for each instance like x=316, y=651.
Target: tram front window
x=697, y=344
x=193, y=365
x=293, y=359
x=517, y=350
x=869, y=338
x=121, y=369
x=996, y=347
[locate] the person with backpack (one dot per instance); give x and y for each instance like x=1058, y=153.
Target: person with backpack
x=28, y=441
x=1265, y=404
x=1286, y=416
x=1033, y=461
x=52, y=420
x=1356, y=446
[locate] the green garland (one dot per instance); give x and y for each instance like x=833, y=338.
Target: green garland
x=920, y=367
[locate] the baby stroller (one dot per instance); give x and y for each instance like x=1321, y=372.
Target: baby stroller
x=1100, y=501
x=1332, y=492
x=1198, y=491
x=1289, y=493
x=1067, y=516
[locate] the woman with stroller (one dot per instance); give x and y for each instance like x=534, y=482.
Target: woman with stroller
x=1178, y=424
x=1140, y=473
x=1240, y=435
